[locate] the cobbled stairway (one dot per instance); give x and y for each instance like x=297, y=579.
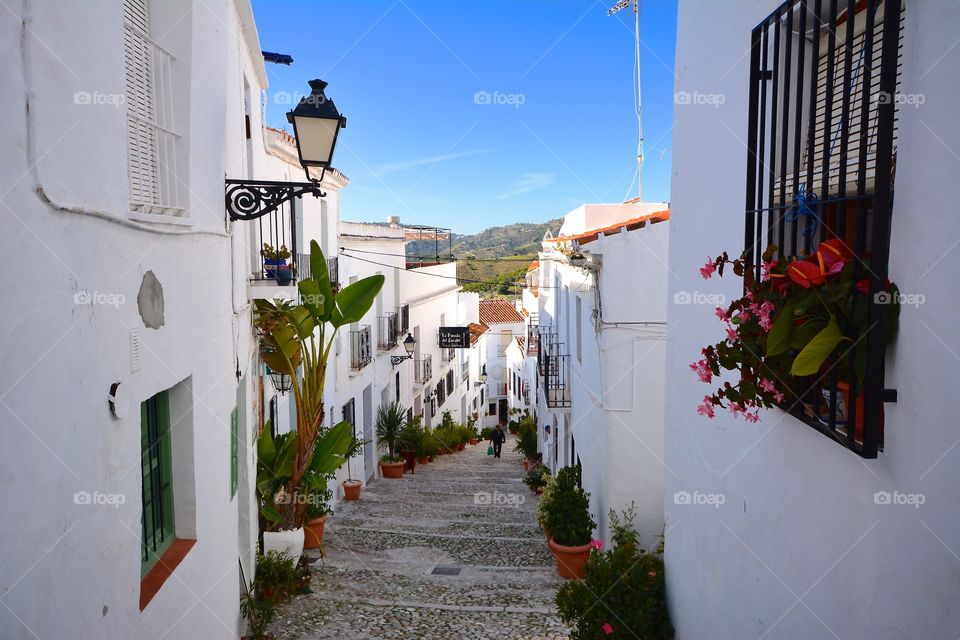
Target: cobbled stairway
x=451, y=551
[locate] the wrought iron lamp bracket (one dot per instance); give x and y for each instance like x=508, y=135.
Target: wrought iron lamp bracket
x=395, y=360
x=252, y=199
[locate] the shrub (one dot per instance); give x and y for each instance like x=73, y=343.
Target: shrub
x=391, y=419
x=568, y=511
x=259, y=614
x=537, y=477
x=526, y=438
x=486, y=433
x=543, y=507
x=413, y=436
x=622, y=592
x=276, y=576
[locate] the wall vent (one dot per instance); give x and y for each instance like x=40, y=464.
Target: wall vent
x=135, y=348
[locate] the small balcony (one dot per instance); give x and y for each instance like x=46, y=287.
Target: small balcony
x=423, y=369
x=447, y=355
x=304, y=269
x=557, y=381
x=361, y=348
x=403, y=319
x=465, y=370
x=387, y=331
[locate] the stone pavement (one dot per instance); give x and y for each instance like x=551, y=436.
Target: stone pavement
x=465, y=511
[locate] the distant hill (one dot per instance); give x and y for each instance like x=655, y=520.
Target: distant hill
x=496, y=257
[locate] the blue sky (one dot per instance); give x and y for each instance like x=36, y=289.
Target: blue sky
x=474, y=114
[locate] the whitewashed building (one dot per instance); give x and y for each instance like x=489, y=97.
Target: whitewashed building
x=792, y=527
x=505, y=324
x=120, y=122
x=600, y=348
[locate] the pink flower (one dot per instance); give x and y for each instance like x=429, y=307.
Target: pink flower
x=702, y=369
x=732, y=335
x=706, y=407
x=752, y=417
x=778, y=396
x=707, y=270
x=596, y=544
x=768, y=268
x=768, y=386
x=607, y=628
x=721, y=313
x=736, y=408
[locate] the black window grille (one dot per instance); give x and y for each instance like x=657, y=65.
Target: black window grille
x=361, y=351
x=387, y=331
x=821, y=159
x=450, y=381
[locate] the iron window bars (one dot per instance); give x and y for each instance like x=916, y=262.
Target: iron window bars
x=361, y=351
x=423, y=369
x=820, y=164
x=387, y=331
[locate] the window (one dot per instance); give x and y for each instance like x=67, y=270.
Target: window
x=821, y=154
x=234, y=452
x=450, y=381
x=349, y=414
x=361, y=350
x=157, y=480
x=152, y=139
x=492, y=409
x=579, y=330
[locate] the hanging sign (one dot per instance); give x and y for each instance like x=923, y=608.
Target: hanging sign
x=454, y=338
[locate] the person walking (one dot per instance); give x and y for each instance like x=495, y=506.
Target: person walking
x=497, y=439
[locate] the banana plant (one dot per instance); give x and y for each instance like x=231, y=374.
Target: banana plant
x=297, y=339
x=275, y=456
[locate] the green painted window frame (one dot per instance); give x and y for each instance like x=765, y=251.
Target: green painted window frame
x=234, y=452
x=156, y=470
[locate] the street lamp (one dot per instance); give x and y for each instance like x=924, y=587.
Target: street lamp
x=282, y=382
x=316, y=124
x=483, y=377
x=408, y=344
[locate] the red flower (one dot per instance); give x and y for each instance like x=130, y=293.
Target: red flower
x=833, y=251
x=804, y=273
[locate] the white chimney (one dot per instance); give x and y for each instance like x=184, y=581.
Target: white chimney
x=393, y=221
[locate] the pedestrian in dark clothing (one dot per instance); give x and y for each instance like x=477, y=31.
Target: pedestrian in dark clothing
x=497, y=439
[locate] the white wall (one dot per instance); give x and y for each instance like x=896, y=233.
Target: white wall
x=799, y=549
x=65, y=212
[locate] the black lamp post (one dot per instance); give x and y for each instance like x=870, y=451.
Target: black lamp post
x=282, y=382
x=316, y=124
x=408, y=344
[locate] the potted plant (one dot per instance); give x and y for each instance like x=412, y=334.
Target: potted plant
x=259, y=614
x=571, y=527
x=411, y=444
x=623, y=592
x=543, y=506
x=805, y=316
x=273, y=258
x=285, y=274
x=527, y=442
x=296, y=339
x=276, y=576
x=390, y=422
x=536, y=478
x=351, y=486
x=318, y=508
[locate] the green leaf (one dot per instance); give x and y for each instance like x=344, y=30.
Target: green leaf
x=320, y=279
x=283, y=346
x=270, y=513
x=302, y=321
x=266, y=450
x=812, y=357
x=353, y=302
x=892, y=318
x=778, y=340
x=331, y=448
x=804, y=333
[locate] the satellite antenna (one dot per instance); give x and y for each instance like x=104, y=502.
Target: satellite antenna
x=623, y=4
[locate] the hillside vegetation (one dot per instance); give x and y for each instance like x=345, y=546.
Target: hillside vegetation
x=496, y=257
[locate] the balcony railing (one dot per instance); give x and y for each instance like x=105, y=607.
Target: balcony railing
x=361, y=348
x=277, y=230
x=304, y=270
x=545, y=340
x=451, y=381
x=447, y=355
x=533, y=333
x=387, y=332
x=465, y=370
x=423, y=369
x=557, y=380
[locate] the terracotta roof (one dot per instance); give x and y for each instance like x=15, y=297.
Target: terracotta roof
x=476, y=330
x=520, y=341
x=630, y=225
x=498, y=311
x=533, y=265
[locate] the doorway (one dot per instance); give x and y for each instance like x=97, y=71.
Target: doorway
x=369, y=449
x=504, y=411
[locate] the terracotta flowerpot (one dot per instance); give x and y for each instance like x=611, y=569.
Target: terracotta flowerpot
x=461, y=446
x=313, y=532
x=392, y=469
x=526, y=465
x=474, y=441
x=570, y=560
x=351, y=489
x=546, y=532
x=423, y=460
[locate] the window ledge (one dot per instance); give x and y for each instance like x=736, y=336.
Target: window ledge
x=160, y=218
x=164, y=567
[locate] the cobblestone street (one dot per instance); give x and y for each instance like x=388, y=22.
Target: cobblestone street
x=466, y=513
